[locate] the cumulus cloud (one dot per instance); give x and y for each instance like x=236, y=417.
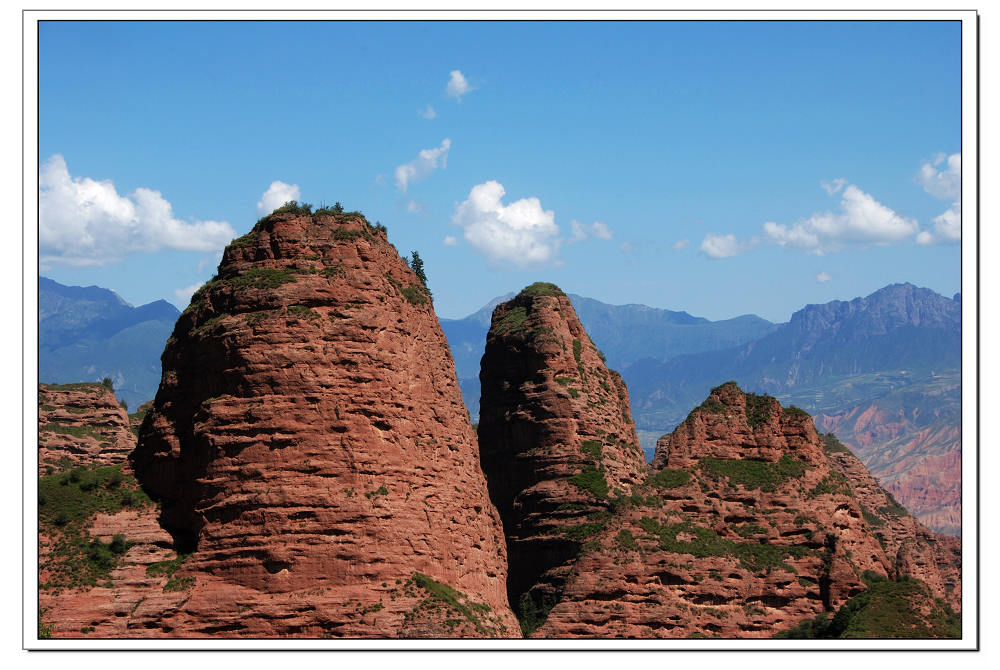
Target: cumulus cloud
x=423, y=165
x=457, y=86
x=414, y=206
x=680, y=244
x=427, y=113
x=862, y=220
x=944, y=183
x=823, y=277
x=521, y=233
x=86, y=222
x=626, y=247
x=581, y=231
x=721, y=246
x=450, y=241
x=276, y=195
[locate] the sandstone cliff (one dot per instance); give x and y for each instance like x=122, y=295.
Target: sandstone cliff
x=317, y=472
x=81, y=423
x=915, y=551
x=556, y=438
x=744, y=528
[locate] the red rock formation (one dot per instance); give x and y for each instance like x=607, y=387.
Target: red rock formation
x=309, y=445
x=743, y=530
x=81, y=424
x=915, y=551
x=556, y=438
x=131, y=597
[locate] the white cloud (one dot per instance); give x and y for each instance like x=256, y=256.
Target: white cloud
x=680, y=244
x=427, y=113
x=947, y=227
x=601, y=230
x=414, y=206
x=276, y=195
x=450, y=241
x=183, y=295
x=823, y=277
x=521, y=233
x=832, y=187
x=626, y=247
x=457, y=86
x=861, y=221
x=721, y=246
x=423, y=165
x=582, y=231
x=944, y=184
x=86, y=222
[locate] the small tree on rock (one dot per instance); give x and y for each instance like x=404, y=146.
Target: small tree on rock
x=417, y=264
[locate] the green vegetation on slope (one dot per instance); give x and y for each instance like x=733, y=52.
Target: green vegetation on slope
x=886, y=610
x=541, y=288
x=761, y=475
x=533, y=609
x=758, y=408
x=832, y=445
x=669, y=478
x=706, y=542
x=66, y=502
x=452, y=599
x=591, y=479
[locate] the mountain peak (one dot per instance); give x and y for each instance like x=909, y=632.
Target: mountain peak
x=733, y=424
x=555, y=432
x=309, y=385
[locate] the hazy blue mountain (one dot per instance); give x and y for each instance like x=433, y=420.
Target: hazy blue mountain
x=628, y=333
x=896, y=336
x=625, y=333
x=88, y=333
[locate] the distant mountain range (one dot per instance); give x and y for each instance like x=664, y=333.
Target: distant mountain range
x=879, y=370
x=89, y=333
x=882, y=372
x=624, y=333
x=901, y=334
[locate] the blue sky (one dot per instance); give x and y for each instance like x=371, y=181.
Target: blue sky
x=720, y=168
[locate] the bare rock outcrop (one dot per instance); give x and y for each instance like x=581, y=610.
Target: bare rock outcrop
x=81, y=423
x=556, y=439
x=311, y=452
x=915, y=550
x=744, y=528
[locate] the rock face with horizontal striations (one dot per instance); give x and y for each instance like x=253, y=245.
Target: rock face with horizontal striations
x=81, y=424
x=556, y=439
x=310, y=449
x=744, y=528
x=915, y=551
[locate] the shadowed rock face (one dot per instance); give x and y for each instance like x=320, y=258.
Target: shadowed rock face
x=557, y=440
x=745, y=527
x=309, y=444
